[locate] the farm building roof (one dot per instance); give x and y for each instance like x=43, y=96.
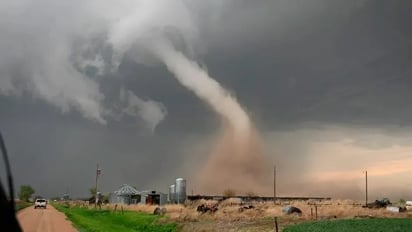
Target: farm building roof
x=126, y=190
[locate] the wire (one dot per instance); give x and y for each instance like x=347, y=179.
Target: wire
x=8, y=171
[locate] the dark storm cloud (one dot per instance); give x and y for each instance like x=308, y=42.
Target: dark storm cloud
x=343, y=63
x=288, y=62
x=55, y=153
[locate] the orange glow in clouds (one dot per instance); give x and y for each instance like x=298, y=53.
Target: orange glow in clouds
x=345, y=160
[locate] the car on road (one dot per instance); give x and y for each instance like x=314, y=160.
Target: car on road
x=40, y=203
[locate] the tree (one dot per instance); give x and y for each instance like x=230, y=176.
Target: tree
x=251, y=194
x=38, y=197
x=229, y=193
x=105, y=198
x=93, y=191
x=25, y=192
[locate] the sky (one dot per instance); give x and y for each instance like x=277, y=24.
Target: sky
x=326, y=84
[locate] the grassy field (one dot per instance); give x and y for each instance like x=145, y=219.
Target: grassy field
x=21, y=205
x=261, y=219
x=361, y=225
x=91, y=220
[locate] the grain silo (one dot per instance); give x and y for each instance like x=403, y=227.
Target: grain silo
x=180, y=190
x=172, y=194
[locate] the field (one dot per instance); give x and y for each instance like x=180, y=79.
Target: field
x=262, y=217
x=21, y=205
x=105, y=220
x=364, y=225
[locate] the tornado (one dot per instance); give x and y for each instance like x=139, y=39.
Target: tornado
x=236, y=161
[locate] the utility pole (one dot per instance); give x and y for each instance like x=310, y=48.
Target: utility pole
x=98, y=171
x=366, y=188
x=274, y=184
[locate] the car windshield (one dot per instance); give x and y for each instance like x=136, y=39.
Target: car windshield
x=41, y=200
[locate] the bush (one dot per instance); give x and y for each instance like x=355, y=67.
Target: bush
x=251, y=194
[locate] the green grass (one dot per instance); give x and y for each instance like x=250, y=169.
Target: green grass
x=358, y=225
x=91, y=220
x=21, y=205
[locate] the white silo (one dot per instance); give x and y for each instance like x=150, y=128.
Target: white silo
x=180, y=191
x=172, y=194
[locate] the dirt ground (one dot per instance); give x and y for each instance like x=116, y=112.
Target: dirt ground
x=44, y=220
x=262, y=217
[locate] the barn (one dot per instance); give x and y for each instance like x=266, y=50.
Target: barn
x=126, y=194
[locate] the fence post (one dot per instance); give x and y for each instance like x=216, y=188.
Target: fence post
x=276, y=224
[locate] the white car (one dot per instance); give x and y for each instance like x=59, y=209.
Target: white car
x=40, y=203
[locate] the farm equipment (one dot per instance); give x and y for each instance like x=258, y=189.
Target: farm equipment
x=291, y=210
x=379, y=203
x=246, y=207
x=203, y=208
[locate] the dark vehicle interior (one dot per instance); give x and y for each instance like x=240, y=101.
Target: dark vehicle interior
x=7, y=208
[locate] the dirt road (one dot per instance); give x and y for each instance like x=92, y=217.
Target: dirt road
x=44, y=220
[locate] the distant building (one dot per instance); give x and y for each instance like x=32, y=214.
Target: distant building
x=151, y=197
x=125, y=195
x=66, y=197
x=129, y=195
